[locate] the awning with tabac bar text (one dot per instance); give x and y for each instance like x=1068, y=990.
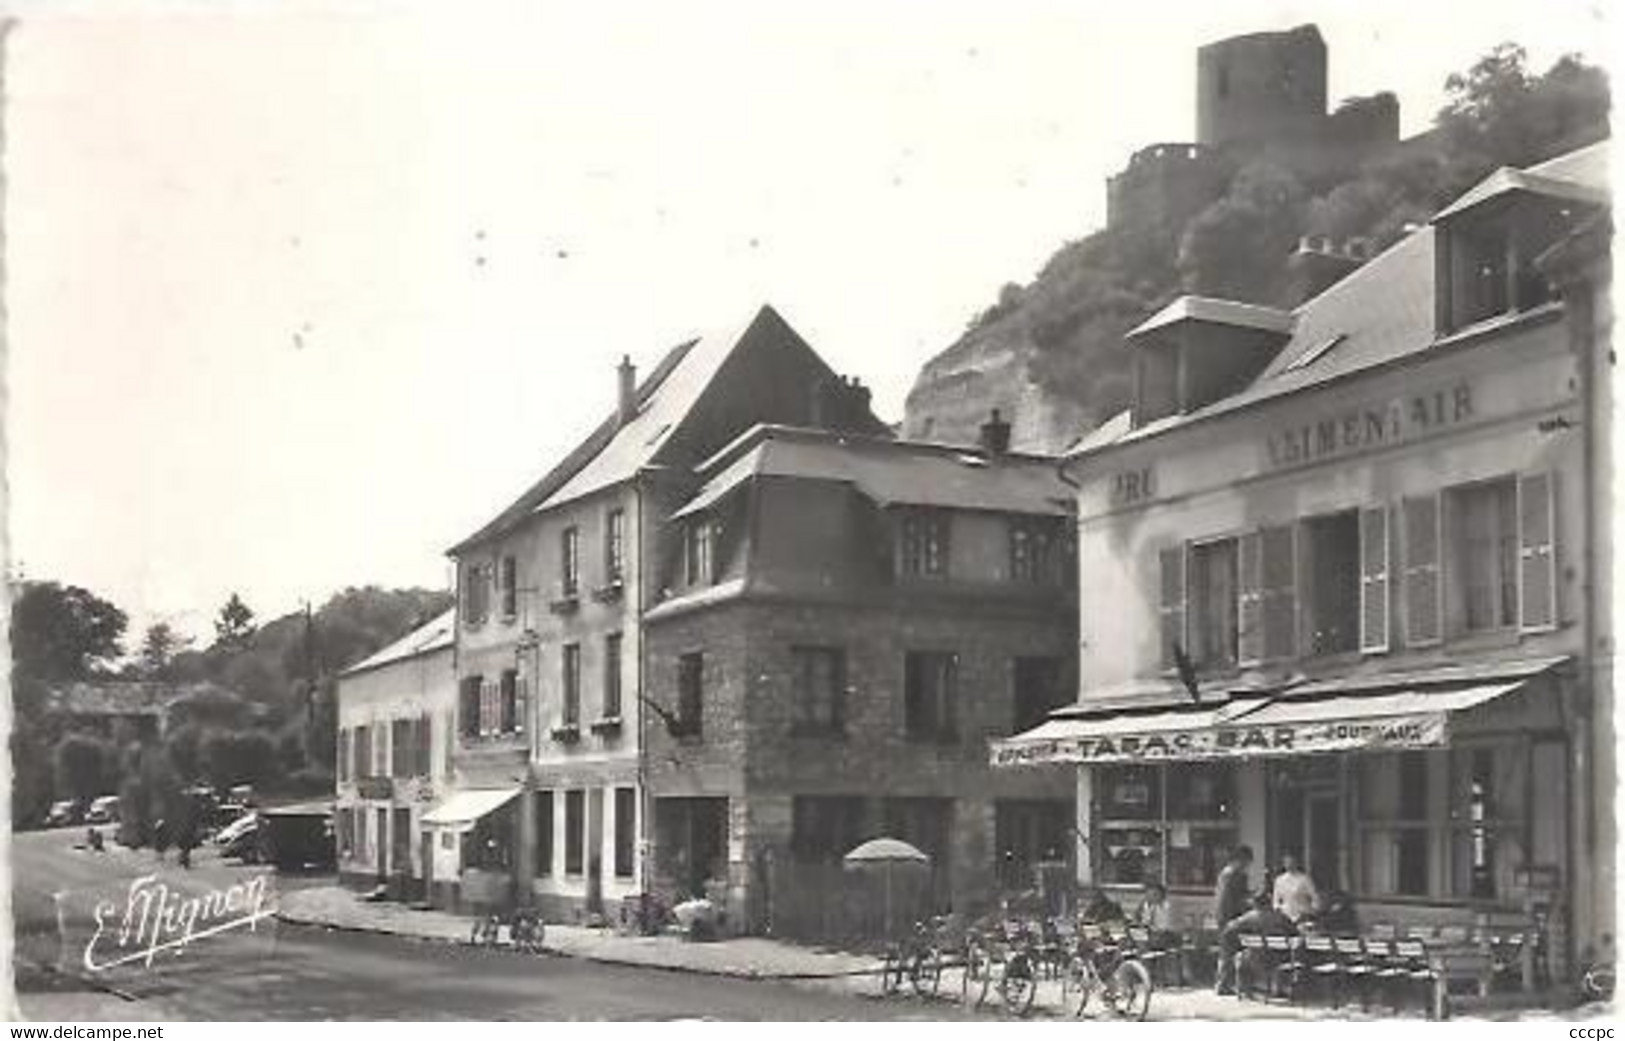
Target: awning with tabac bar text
x=1255, y=728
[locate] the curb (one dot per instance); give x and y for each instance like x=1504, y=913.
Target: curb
x=596, y=958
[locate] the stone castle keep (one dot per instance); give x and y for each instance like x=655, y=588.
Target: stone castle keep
x=1261, y=96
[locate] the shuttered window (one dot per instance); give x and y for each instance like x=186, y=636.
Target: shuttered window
x=1537, y=557
x=1422, y=594
x=1374, y=580
x=1278, y=553
x=1250, y=602
x=1172, y=603
x=425, y=747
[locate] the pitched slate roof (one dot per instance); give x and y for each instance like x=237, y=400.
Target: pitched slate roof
x=889, y=472
x=613, y=453
x=436, y=634
x=1380, y=313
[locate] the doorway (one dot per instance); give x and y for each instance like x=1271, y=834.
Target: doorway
x=1307, y=820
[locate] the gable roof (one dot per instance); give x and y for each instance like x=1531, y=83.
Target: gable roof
x=613, y=453
x=890, y=472
x=437, y=634
x=1381, y=312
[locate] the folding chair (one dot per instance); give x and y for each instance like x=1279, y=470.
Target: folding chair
x=1287, y=965
x=1251, y=959
x=1321, y=963
x=1353, y=965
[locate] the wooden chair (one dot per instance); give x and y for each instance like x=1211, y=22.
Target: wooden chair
x=1287, y=967
x=1251, y=960
x=1321, y=963
x=1354, y=967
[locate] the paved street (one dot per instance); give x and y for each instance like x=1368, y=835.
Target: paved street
x=305, y=973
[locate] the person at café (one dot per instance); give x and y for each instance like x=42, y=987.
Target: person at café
x=1154, y=912
x=1230, y=901
x=1100, y=908
x=1264, y=919
x=1295, y=895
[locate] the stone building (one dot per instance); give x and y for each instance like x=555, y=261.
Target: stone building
x=395, y=724
x=551, y=656
x=1349, y=576
x=851, y=620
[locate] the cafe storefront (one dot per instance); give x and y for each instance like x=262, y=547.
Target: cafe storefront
x=1414, y=793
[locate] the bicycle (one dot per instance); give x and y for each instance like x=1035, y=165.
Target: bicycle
x=976, y=958
x=1018, y=983
x=919, y=959
x=527, y=930
x=1109, y=965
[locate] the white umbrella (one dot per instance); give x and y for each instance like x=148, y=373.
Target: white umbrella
x=886, y=852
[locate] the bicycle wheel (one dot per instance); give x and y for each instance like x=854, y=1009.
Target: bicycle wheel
x=1078, y=984
x=1131, y=990
x=925, y=972
x=1017, y=986
x=978, y=973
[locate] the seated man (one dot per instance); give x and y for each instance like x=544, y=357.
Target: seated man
x=1262, y=920
x=1100, y=908
x=1155, y=914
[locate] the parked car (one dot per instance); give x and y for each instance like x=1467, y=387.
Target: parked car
x=65, y=813
x=232, y=833
x=247, y=843
x=103, y=811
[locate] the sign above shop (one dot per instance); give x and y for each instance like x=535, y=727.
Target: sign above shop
x=1372, y=426
x=1421, y=730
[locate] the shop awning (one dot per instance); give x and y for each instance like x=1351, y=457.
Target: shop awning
x=460, y=810
x=1287, y=724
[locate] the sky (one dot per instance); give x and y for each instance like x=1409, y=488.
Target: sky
x=299, y=295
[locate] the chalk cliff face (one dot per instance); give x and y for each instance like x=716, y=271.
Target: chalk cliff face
x=987, y=369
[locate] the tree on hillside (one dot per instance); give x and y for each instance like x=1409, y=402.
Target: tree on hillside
x=235, y=624
x=158, y=648
x=85, y=767
x=64, y=632
x=184, y=746
x=1236, y=249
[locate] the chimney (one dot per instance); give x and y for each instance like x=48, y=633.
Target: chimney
x=1317, y=265
x=995, y=435
x=818, y=401
x=857, y=406
x=626, y=399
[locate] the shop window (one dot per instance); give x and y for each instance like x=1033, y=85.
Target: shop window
x=1039, y=690
x=1170, y=823
x=930, y=679
x=824, y=828
x=1213, y=598
x=626, y=834
x=924, y=536
x=1487, y=818
x=689, y=721
x=571, y=665
x=1397, y=830
x=1331, y=583
x=575, y=822
x=544, y=833
x=820, y=689
x=1482, y=540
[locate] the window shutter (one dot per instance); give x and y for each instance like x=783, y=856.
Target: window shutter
x=1250, y=600
x=521, y=698
x=1423, y=595
x=1278, y=567
x=1374, y=580
x=1172, y=603
x=1537, y=552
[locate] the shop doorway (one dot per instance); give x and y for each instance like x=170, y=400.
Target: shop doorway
x=1307, y=821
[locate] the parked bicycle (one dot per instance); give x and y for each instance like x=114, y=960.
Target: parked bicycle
x=1020, y=966
x=920, y=959
x=1109, y=965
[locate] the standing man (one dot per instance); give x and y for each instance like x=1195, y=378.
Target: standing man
x=1295, y=894
x=1229, y=903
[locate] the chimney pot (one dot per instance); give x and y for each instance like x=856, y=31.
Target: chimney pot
x=626, y=398
x=995, y=435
